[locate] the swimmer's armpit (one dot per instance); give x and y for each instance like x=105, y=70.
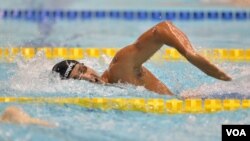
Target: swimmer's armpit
x=16, y=115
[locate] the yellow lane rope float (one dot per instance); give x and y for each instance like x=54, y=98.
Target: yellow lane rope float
x=149, y=105
x=170, y=54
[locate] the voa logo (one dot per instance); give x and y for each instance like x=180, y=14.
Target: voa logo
x=236, y=132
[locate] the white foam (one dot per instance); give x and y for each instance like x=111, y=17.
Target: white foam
x=239, y=87
x=34, y=76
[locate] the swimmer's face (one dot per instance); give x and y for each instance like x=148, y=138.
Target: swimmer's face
x=82, y=72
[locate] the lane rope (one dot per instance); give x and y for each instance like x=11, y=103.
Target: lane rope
x=129, y=15
x=149, y=105
x=169, y=54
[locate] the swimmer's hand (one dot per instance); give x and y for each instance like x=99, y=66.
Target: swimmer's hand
x=207, y=67
x=16, y=115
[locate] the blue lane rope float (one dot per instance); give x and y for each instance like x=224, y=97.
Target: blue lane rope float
x=39, y=15
x=146, y=105
x=170, y=54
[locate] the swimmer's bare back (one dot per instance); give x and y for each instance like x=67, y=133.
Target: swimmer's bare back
x=126, y=66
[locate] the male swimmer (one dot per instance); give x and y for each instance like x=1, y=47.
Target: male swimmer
x=127, y=64
x=126, y=67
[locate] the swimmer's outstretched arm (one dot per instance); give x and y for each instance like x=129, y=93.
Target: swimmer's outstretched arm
x=166, y=33
x=16, y=115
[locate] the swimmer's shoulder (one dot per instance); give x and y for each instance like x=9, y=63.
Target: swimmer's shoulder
x=125, y=55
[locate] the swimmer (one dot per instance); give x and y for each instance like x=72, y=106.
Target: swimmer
x=127, y=64
x=16, y=115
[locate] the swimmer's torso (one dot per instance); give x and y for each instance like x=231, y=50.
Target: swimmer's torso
x=122, y=70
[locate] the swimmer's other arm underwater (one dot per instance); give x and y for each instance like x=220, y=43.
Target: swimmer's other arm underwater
x=13, y=114
x=127, y=64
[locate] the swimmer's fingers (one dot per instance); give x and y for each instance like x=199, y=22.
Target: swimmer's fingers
x=224, y=76
x=215, y=72
x=207, y=67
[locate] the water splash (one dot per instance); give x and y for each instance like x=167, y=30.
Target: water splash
x=239, y=87
x=34, y=78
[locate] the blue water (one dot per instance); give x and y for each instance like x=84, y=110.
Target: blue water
x=74, y=123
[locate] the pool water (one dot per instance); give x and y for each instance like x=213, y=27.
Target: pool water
x=113, y=33
x=75, y=123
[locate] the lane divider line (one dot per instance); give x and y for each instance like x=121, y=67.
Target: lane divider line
x=169, y=54
x=145, y=105
x=155, y=15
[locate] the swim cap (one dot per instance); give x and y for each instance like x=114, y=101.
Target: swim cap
x=64, y=68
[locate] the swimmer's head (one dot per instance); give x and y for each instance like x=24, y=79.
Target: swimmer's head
x=71, y=69
x=64, y=68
